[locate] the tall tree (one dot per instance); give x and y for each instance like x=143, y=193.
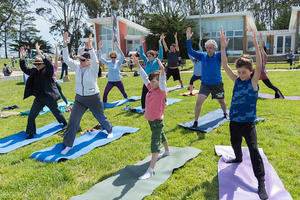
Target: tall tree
x=65, y=16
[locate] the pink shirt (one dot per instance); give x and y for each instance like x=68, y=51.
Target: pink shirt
x=155, y=104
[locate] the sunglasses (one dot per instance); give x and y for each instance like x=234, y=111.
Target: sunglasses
x=82, y=60
x=113, y=57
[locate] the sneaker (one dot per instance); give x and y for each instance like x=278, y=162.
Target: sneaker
x=226, y=116
x=66, y=150
x=165, y=154
x=110, y=135
x=195, y=125
x=142, y=110
x=148, y=174
x=127, y=108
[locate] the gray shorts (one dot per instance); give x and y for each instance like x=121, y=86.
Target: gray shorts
x=217, y=91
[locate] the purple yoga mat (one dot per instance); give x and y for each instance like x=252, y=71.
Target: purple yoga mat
x=237, y=181
x=270, y=96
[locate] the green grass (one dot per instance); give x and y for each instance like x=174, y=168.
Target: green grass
x=25, y=178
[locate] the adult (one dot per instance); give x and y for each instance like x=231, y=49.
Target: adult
x=41, y=85
x=6, y=70
x=172, y=57
x=211, y=74
x=264, y=74
x=87, y=92
x=151, y=65
x=64, y=68
x=290, y=59
x=113, y=66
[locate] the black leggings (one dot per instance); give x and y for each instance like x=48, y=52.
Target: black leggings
x=268, y=83
x=238, y=130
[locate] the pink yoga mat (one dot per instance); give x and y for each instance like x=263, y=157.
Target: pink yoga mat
x=237, y=180
x=270, y=96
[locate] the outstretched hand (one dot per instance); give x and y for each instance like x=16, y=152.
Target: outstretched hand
x=142, y=40
x=23, y=52
x=66, y=38
x=135, y=60
x=90, y=40
x=223, y=41
x=189, y=33
x=37, y=48
x=175, y=36
x=162, y=36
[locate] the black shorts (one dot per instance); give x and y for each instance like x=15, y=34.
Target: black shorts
x=217, y=91
x=173, y=72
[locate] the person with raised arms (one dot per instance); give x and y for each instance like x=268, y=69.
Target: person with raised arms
x=151, y=64
x=243, y=109
x=154, y=113
x=87, y=92
x=113, y=66
x=197, y=69
x=41, y=85
x=211, y=75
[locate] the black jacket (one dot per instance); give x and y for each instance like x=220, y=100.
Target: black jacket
x=46, y=76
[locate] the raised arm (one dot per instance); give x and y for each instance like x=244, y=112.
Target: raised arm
x=122, y=57
x=94, y=60
x=141, y=70
x=142, y=53
x=261, y=45
x=65, y=53
x=258, y=69
x=176, y=42
x=162, y=76
x=164, y=42
x=161, y=52
x=56, y=56
x=48, y=64
x=225, y=65
x=200, y=47
x=23, y=65
x=37, y=48
x=103, y=60
x=190, y=50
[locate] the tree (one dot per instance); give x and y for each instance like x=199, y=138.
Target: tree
x=65, y=16
x=8, y=10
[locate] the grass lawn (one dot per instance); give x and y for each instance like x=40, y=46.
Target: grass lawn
x=25, y=178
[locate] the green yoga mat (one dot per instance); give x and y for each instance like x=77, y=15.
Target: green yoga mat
x=124, y=184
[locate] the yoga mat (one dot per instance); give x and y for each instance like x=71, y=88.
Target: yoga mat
x=237, y=180
x=18, y=140
x=169, y=102
x=194, y=93
x=8, y=113
x=60, y=80
x=177, y=87
x=61, y=106
x=270, y=96
x=121, y=102
x=124, y=184
x=82, y=145
x=207, y=122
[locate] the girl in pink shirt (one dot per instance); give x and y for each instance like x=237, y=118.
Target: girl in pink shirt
x=154, y=113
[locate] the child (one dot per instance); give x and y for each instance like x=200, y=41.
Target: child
x=154, y=113
x=197, y=69
x=114, y=77
x=243, y=109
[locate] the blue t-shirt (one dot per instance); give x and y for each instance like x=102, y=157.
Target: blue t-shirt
x=211, y=66
x=243, y=102
x=197, y=64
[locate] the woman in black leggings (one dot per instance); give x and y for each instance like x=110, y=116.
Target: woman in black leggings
x=264, y=74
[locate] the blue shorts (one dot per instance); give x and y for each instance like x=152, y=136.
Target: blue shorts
x=194, y=78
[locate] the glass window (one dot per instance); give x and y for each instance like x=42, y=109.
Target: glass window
x=288, y=42
x=250, y=46
x=213, y=34
x=229, y=33
x=238, y=43
x=230, y=44
x=279, y=44
x=238, y=33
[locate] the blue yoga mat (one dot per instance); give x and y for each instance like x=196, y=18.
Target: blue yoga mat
x=60, y=80
x=121, y=102
x=176, y=87
x=207, y=122
x=18, y=140
x=61, y=105
x=82, y=145
x=169, y=102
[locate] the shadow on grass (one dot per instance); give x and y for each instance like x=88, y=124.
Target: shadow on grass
x=129, y=114
x=184, y=131
x=211, y=190
x=20, y=83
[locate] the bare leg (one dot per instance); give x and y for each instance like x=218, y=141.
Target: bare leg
x=153, y=160
x=201, y=98
x=166, y=146
x=223, y=105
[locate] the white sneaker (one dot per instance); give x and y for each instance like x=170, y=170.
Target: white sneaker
x=142, y=110
x=110, y=135
x=66, y=150
x=148, y=174
x=165, y=154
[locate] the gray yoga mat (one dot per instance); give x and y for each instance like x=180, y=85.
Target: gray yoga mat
x=124, y=184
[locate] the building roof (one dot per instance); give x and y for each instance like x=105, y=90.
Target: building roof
x=107, y=20
x=250, y=25
x=293, y=19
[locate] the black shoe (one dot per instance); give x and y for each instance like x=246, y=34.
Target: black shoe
x=235, y=160
x=30, y=136
x=195, y=125
x=98, y=127
x=262, y=193
x=226, y=116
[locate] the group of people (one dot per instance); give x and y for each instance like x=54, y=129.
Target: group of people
x=207, y=67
